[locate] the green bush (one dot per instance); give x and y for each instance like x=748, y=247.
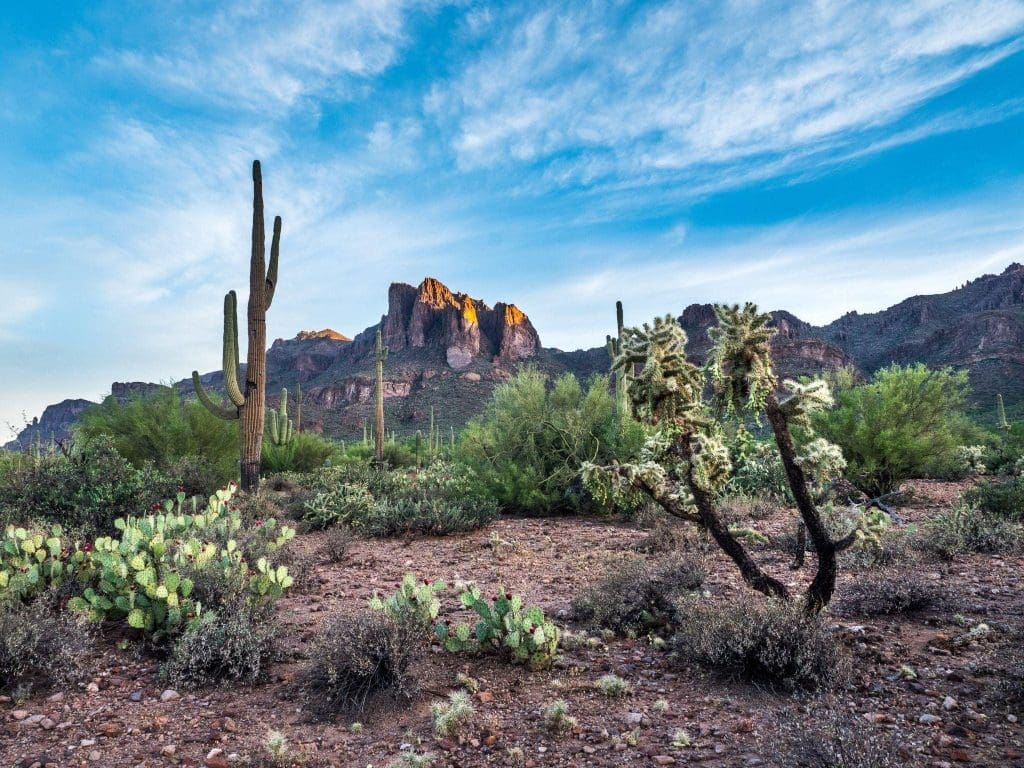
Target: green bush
x=964, y=529
x=438, y=499
x=87, y=489
x=305, y=452
x=162, y=430
x=759, y=472
x=1003, y=499
x=233, y=646
x=906, y=422
x=531, y=441
x=769, y=643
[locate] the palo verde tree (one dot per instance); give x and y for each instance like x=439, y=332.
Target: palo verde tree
x=249, y=406
x=684, y=464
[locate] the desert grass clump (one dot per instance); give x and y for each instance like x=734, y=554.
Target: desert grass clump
x=450, y=716
x=889, y=593
x=769, y=643
x=358, y=661
x=613, y=686
x=412, y=760
x=634, y=598
x=233, y=646
x=41, y=645
x=557, y=717
x=335, y=544
x=826, y=738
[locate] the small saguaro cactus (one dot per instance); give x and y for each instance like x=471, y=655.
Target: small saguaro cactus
x=614, y=345
x=378, y=434
x=281, y=429
x=249, y=406
x=1002, y=423
x=298, y=407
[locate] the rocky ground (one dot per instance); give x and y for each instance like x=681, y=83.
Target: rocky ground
x=946, y=712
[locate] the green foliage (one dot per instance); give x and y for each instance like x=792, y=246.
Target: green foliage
x=356, y=660
x=33, y=561
x=87, y=489
x=304, y=452
x=40, y=644
x=437, y=499
x=758, y=471
x=765, y=642
x=906, y=422
x=142, y=576
x=504, y=625
x=531, y=441
x=162, y=430
x=233, y=646
x=1003, y=499
x=412, y=602
x=964, y=529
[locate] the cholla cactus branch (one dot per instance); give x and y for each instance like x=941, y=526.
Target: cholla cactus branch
x=740, y=360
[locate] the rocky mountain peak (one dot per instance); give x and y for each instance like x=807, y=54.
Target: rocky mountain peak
x=326, y=333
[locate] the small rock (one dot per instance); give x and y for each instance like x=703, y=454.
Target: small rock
x=169, y=695
x=47, y=724
x=1011, y=718
x=217, y=761
x=168, y=750
x=929, y=719
x=486, y=697
x=229, y=725
x=109, y=729
x=56, y=698
x=92, y=688
x=664, y=760
x=87, y=743
x=135, y=696
x=94, y=756
x=19, y=714
x=634, y=718
x=949, y=703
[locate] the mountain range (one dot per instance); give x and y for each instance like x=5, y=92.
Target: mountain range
x=448, y=350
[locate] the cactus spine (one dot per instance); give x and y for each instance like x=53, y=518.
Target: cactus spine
x=614, y=350
x=281, y=429
x=249, y=407
x=378, y=433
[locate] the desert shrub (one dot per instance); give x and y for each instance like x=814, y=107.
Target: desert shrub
x=504, y=626
x=530, y=442
x=161, y=429
x=892, y=592
x=438, y=499
x=357, y=661
x=40, y=644
x=234, y=645
x=1003, y=499
x=963, y=529
x=305, y=452
x=613, y=686
x=634, y=598
x=738, y=507
x=335, y=544
x=906, y=422
x=770, y=643
x=88, y=489
x=831, y=738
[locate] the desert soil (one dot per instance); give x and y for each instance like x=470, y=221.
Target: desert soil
x=127, y=717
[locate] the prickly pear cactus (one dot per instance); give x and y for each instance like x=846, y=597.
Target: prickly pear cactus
x=413, y=601
x=32, y=561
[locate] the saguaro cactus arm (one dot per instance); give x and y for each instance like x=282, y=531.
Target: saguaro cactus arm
x=275, y=250
x=230, y=359
x=217, y=409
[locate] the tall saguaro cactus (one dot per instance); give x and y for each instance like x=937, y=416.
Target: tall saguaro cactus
x=614, y=345
x=249, y=407
x=298, y=407
x=378, y=433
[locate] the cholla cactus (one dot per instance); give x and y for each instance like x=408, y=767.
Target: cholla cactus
x=685, y=464
x=972, y=459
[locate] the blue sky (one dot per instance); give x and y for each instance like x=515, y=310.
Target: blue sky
x=818, y=157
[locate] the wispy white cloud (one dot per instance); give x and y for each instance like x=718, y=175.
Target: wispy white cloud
x=676, y=86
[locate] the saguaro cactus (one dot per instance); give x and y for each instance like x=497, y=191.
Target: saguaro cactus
x=298, y=407
x=281, y=429
x=1002, y=423
x=378, y=434
x=249, y=406
x=614, y=345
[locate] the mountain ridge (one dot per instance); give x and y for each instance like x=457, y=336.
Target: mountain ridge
x=448, y=350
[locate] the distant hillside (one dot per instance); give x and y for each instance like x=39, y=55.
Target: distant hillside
x=449, y=350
